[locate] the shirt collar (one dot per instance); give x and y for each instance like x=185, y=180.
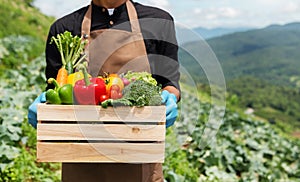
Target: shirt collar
x=117, y=10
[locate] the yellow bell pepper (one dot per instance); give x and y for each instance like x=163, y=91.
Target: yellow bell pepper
x=112, y=79
x=74, y=77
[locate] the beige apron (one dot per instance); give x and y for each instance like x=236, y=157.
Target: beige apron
x=114, y=51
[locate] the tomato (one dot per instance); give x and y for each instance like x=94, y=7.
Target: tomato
x=115, y=87
x=120, y=95
x=114, y=80
x=114, y=94
x=103, y=98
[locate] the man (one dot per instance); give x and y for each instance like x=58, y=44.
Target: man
x=139, y=38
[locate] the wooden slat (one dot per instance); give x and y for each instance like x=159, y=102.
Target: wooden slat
x=101, y=132
x=48, y=112
x=101, y=152
x=59, y=134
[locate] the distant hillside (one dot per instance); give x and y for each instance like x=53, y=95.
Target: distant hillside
x=186, y=35
x=258, y=65
x=217, y=32
x=18, y=17
x=278, y=104
x=22, y=27
x=271, y=53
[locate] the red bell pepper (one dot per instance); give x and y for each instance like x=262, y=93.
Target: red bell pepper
x=88, y=90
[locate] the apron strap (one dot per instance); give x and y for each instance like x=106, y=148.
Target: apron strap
x=87, y=20
x=133, y=18
x=86, y=23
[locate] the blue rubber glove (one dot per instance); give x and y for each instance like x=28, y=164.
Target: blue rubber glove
x=170, y=101
x=32, y=110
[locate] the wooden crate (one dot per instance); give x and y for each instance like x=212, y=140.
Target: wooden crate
x=83, y=133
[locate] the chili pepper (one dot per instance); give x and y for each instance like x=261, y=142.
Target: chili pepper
x=88, y=90
x=60, y=95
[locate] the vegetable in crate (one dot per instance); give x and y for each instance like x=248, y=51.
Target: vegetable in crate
x=62, y=76
x=112, y=80
x=88, y=91
x=74, y=77
x=70, y=48
x=52, y=97
x=60, y=94
x=114, y=85
x=138, y=93
x=145, y=76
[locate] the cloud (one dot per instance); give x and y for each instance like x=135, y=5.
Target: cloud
x=291, y=7
x=229, y=12
x=206, y=13
x=59, y=8
x=253, y=13
x=163, y=4
x=216, y=13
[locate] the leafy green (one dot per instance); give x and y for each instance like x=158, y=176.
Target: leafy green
x=18, y=88
x=177, y=167
x=138, y=93
x=15, y=48
x=278, y=104
x=118, y=102
x=70, y=48
x=145, y=76
x=243, y=149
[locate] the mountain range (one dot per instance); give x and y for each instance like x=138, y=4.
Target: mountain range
x=270, y=53
x=258, y=67
x=207, y=33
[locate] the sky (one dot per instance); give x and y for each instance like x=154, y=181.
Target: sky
x=203, y=13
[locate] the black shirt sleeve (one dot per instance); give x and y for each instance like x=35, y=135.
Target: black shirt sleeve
x=167, y=65
x=160, y=39
x=53, y=58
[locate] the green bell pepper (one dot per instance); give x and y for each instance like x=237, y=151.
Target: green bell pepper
x=52, y=97
x=66, y=94
x=59, y=95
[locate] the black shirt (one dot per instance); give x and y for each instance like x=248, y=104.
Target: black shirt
x=158, y=31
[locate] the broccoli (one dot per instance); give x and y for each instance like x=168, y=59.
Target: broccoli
x=138, y=93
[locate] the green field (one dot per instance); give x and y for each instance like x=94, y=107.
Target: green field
x=244, y=148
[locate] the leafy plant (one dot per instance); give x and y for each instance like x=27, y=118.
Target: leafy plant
x=18, y=88
x=243, y=149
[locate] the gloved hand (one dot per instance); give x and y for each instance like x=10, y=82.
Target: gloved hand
x=32, y=110
x=170, y=101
